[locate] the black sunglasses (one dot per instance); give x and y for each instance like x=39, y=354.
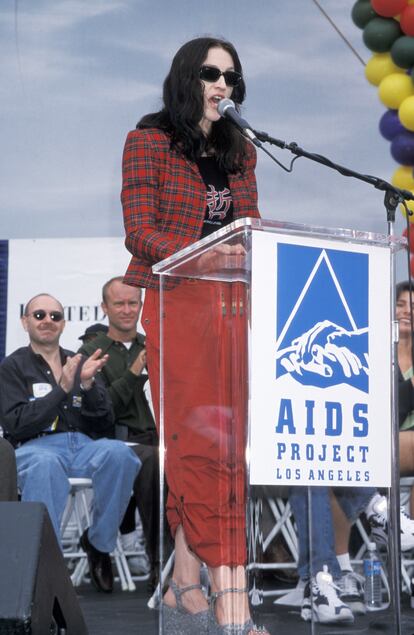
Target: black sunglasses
x=55, y=316
x=213, y=74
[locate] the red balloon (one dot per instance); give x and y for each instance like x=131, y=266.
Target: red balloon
x=412, y=266
x=407, y=20
x=388, y=8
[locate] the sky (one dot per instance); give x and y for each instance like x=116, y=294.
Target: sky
x=76, y=75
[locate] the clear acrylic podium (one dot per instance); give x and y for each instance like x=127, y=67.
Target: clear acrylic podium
x=277, y=369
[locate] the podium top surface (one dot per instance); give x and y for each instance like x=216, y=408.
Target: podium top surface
x=243, y=227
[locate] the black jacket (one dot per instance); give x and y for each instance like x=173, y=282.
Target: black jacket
x=32, y=404
x=405, y=398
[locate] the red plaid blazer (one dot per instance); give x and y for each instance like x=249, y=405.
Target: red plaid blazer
x=164, y=201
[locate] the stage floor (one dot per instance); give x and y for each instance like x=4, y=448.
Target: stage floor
x=127, y=613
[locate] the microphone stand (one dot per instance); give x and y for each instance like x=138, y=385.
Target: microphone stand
x=392, y=197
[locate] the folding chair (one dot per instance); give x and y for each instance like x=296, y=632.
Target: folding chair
x=407, y=557
x=76, y=518
x=155, y=599
x=280, y=512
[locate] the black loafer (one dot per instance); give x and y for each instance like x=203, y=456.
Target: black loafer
x=100, y=567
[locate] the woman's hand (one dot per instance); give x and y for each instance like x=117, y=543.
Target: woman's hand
x=221, y=257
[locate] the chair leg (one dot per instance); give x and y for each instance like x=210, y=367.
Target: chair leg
x=155, y=599
x=121, y=563
x=78, y=514
x=75, y=519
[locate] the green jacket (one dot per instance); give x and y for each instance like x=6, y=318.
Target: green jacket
x=125, y=388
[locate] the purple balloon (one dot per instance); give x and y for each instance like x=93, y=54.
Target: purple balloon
x=390, y=125
x=402, y=148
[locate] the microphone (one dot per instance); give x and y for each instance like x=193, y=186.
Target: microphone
x=227, y=109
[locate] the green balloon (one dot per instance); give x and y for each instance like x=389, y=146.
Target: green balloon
x=380, y=34
x=402, y=51
x=362, y=13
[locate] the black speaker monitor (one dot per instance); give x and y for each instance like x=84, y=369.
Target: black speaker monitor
x=36, y=593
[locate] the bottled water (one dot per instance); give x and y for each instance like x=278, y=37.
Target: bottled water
x=372, y=573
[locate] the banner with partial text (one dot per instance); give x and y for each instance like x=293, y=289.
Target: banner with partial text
x=71, y=269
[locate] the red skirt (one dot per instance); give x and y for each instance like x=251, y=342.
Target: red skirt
x=204, y=395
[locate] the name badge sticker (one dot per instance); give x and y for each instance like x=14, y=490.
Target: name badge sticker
x=41, y=390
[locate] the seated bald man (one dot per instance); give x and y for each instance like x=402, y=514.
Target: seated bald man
x=52, y=402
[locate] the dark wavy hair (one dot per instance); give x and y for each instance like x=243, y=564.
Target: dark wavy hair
x=405, y=285
x=183, y=108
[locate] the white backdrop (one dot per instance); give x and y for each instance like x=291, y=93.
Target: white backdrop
x=71, y=269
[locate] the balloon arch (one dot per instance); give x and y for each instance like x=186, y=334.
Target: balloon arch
x=388, y=31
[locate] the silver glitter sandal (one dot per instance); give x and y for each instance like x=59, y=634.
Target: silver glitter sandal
x=214, y=628
x=177, y=620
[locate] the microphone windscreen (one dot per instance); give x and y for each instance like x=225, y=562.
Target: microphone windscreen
x=223, y=105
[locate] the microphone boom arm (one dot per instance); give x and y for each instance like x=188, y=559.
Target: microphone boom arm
x=393, y=195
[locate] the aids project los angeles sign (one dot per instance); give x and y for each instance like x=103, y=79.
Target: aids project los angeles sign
x=321, y=362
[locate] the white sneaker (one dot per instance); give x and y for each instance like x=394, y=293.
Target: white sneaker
x=321, y=600
x=407, y=531
x=351, y=591
x=138, y=563
x=377, y=515
x=377, y=512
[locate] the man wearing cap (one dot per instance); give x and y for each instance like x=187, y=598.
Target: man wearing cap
x=51, y=402
x=92, y=331
x=125, y=376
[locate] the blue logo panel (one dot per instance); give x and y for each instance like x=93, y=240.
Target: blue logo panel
x=322, y=316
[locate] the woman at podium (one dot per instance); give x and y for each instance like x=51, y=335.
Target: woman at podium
x=187, y=172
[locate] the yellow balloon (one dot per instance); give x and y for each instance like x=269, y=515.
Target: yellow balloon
x=394, y=88
x=406, y=113
x=403, y=177
x=379, y=66
x=410, y=205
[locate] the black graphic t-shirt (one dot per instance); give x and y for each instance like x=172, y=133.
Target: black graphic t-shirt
x=219, y=209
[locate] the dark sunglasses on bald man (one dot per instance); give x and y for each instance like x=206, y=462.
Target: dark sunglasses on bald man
x=213, y=74
x=55, y=316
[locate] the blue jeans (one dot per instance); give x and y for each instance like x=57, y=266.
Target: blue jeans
x=317, y=546
x=45, y=464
